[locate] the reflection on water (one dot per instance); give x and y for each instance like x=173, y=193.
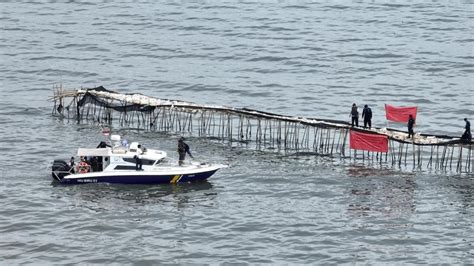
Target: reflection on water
x=380, y=193
x=281, y=209
x=181, y=195
x=464, y=187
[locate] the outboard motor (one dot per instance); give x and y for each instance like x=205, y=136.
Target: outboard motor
x=60, y=169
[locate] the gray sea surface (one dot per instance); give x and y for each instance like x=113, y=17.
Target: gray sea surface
x=302, y=58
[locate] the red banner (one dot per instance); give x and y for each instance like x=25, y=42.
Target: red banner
x=368, y=142
x=399, y=114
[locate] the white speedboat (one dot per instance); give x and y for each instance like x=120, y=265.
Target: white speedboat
x=125, y=164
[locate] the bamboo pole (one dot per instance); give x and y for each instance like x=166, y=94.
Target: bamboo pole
x=271, y=130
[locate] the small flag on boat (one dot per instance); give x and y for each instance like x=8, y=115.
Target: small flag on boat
x=368, y=142
x=400, y=114
x=106, y=131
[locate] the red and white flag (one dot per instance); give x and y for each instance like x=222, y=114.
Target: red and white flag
x=368, y=142
x=400, y=114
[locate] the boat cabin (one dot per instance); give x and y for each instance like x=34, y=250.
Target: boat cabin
x=119, y=157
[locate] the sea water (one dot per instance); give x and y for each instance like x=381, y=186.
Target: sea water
x=301, y=58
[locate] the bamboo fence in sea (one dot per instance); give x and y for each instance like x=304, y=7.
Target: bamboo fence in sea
x=260, y=130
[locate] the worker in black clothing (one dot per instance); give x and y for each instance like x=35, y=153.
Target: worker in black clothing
x=99, y=165
x=138, y=163
x=411, y=123
x=72, y=164
x=354, y=115
x=367, y=115
x=183, y=148
x=102, y=144
x=466, y=136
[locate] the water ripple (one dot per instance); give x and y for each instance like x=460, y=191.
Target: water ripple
x=303, y=59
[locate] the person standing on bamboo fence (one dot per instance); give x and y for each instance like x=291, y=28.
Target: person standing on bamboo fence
x=411, y=123
x=354, y=115
x=466, y=136
x=367, y=116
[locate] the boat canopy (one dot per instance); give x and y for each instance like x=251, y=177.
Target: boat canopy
x=93, y=152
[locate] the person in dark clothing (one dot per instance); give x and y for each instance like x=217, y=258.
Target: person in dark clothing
x=138, y=163
x=183, y=148
x=99, y=164
x=367, y=115
x=102, y=144
x=354, y=115
x=411, y=123
x=466, y=136
x=94, y=164
x=72, y=164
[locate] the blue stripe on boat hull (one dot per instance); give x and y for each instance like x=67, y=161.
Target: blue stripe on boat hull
x=137, y=179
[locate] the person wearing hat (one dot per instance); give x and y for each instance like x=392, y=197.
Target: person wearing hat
x=183, y=148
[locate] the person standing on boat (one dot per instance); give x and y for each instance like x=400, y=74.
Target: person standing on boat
x=354, y=115
x=467, y=132
x=367, y=116
x=102, y=145
x=141, y=149
x=72, y=164
x=183, y=148
x=411, y=123
x=138, y=163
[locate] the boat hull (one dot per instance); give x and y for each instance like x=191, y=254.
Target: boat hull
x=137, y=177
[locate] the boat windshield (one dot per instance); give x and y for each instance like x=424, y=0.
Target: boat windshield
x=144, y=161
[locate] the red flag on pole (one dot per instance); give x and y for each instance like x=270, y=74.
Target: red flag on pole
x=368, y=142
x=400, y=114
